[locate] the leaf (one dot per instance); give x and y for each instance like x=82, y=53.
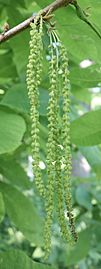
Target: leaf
x=19, y=45
x=96, y=228
x=4, y=2
x=83, y=196
x=71, y=34
x=12, y=129
x=23, y=213
x=9, y=2
x=16, y=176
x=2, y=208
x=16, y=98
x=96, y=212
x=44, y=98
x=93, y=156
x=81, y=94
x=85, y=77
x=8, y=70
x=86, y=130
x=81, y=249
x=14, y=259
x=76, y=34
x=78, y=37
x=20, y=48
x=30, y=5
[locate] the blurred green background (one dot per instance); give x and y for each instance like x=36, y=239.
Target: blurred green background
x=21, y=210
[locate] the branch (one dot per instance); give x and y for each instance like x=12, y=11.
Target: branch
x=25, y=24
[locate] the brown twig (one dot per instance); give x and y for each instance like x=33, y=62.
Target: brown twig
x=25, y=24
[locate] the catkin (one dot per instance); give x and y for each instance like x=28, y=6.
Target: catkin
x=34, y=70
x=58, y=154
x=51, y=150
x=66, y=139
x=58, y=161
x=60, y=197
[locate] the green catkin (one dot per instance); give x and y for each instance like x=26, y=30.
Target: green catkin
x=58, y=156
x=58, y=177
x=51, y=150
x=34, y=69
x=66, y=140
x=60, y=202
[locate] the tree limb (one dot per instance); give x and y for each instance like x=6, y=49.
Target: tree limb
x=25, y=24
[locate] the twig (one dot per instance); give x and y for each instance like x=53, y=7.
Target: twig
x=25, y=24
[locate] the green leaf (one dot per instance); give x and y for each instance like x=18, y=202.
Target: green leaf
x=17, y=175
x=93, y=156
x=44, y=98
x=4, y=2
x=71, y=34
x=74, y=33
x=19, y=45
x=23, y=213
x=81, y=249
x=85, y=77
x=31, y=6
x=16, y=98
x=42, y=3
x=2, y=208
x=80, y=40
x=8, y=70
x=9, y=2
x=14, y=259
x=12, y=129
x=20, y=48
x=81, y=94
x=96, y=229
x=86, y=130
x=96, y=211
x=83, y=196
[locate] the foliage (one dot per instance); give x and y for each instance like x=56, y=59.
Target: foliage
x=21, y=210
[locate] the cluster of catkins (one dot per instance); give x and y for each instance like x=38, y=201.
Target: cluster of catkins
x=57, y=192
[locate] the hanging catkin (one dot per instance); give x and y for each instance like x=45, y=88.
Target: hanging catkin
x=51, y=148
x=34, y=70
x=58, y=152
x=58, y=161
x=66, y=138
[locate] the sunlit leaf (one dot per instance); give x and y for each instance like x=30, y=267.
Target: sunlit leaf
x=23, y=213
x=15, y=259
x=86, y=130
x=12, y=129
